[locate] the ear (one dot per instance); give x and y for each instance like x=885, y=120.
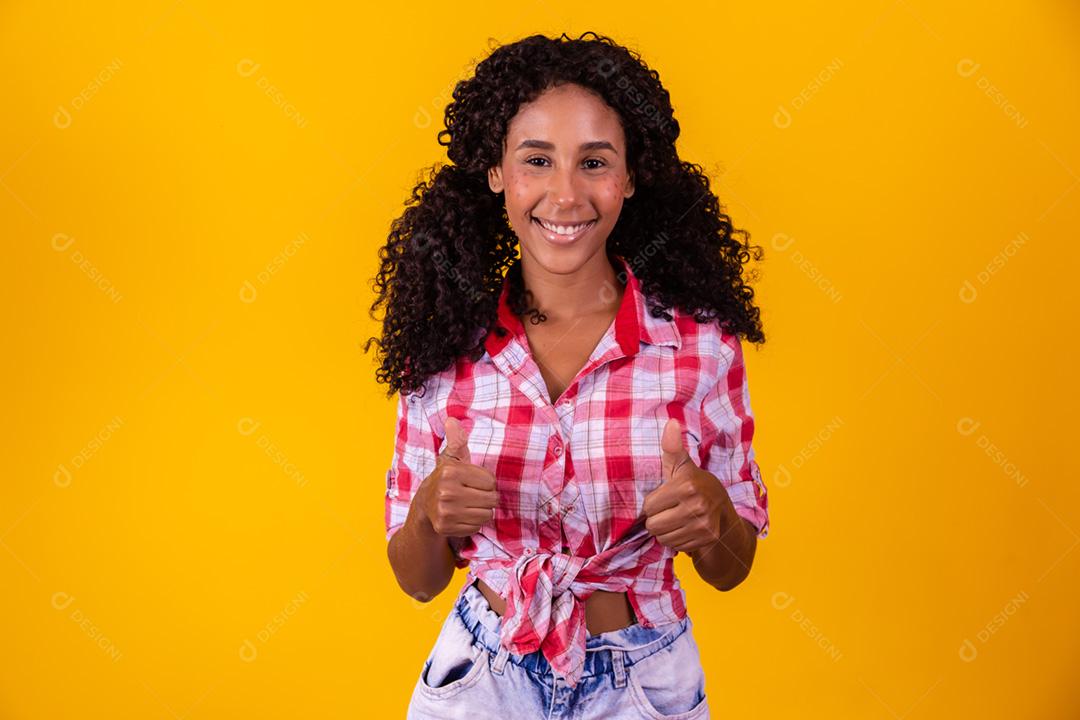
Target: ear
x=495, y=181
x=629, y=189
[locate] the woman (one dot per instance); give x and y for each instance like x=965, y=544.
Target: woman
x=547, y=455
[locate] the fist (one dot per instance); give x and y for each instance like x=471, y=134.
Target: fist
x=458, y=497
x=691, y=509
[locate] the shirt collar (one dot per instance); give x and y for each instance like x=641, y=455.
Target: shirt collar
x=633, y=322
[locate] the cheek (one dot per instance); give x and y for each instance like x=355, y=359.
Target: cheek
x=610, y=194
x=519, y=190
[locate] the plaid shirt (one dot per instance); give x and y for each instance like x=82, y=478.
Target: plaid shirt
x=572, y=477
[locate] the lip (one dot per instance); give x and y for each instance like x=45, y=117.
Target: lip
x=557, y=239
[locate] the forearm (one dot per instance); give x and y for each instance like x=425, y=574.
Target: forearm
x=726, y=563
x=422, y=560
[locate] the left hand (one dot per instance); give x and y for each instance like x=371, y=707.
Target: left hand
x=691, y=509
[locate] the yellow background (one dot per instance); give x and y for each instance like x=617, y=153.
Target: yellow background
x=191, y=523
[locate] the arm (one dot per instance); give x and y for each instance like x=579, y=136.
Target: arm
x=727, y=562
x=727, y=452
x=423, y=561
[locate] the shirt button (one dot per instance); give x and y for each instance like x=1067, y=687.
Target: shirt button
x=528, y=551
x=558, y=450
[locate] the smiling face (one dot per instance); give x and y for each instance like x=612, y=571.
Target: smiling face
x=564, y=176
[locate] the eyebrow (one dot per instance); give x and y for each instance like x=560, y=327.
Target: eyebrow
x=544, y=145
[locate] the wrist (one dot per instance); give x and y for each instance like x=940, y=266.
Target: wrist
x=731, y=535
x=418, y=514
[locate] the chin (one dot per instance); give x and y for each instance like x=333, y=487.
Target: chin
x=561, y=260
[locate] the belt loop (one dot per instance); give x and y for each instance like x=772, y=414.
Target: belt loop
x=500, y=660
x=617, y=662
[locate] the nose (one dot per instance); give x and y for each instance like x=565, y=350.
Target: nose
x=563, y=190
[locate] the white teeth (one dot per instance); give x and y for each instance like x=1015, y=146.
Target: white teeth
x=563, y=229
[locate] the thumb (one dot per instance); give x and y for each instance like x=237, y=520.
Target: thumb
x=671, y=445
x=456, y=443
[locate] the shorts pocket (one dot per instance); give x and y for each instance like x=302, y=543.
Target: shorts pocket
x=670, y=683
x=456, y=661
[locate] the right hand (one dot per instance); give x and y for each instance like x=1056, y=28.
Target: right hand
x=459, y=497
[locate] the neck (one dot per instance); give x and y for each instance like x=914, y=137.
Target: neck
x=591, y=289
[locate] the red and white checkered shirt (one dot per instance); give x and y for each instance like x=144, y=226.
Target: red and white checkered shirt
x=572, y=477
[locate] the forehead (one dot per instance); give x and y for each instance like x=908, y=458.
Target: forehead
x=569, y=112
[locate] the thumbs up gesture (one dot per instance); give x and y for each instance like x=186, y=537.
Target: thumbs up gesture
x=691, y=509
x=458, y=497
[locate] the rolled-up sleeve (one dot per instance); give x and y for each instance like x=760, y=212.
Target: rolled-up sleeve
x=416, y=446
x=727, y=428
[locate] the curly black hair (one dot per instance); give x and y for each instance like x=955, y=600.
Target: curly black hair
x=443, y=264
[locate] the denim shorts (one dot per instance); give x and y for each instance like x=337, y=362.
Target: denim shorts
x=633, y=672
